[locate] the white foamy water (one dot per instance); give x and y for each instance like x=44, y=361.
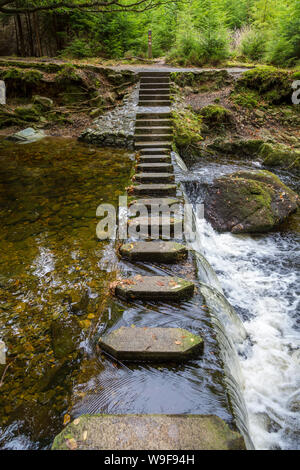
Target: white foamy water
x=260, y=279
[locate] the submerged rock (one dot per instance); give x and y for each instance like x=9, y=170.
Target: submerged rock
x=26, y=136
x=65, y=336
x=249, y=201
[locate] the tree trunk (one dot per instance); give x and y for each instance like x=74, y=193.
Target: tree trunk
x=21, y=36
x=37, y=34
x=17, y=36
x=30, y=38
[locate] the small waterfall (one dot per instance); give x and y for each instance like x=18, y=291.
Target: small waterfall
x=259, y=276
x=230, y=332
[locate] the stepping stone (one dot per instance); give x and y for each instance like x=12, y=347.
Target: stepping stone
x=154, y=288
x=154, y=190
x=149, y=431
x=151, y=344
x=159, y=251
x=155, y=167
x=144, y=86
x=154, y=151
x=153, y=91
x=153, y=130
x=153, y=137
x=164, y=115
x=150, y=202
x=153, y=123
x=155, y=159
x=154, y=103
x=154, y=177
x=159, y=146
x=154, y=227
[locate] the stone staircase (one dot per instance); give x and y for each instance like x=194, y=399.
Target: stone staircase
x=154, y=183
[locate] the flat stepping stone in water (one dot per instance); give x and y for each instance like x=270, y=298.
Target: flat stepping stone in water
x=154, y=226
x=155, y=167
x=154, y=177
x=154, y=190
x=151, y=344
x=155, y=201
x=148, y=431
x=154, y=288
x=159, y=251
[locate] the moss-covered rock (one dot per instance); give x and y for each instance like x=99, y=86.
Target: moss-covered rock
x=187, y=129
x=43, y=102
x=280, y=155
x=249, y=201
x=272, y=84
x=215, y=115
x=250, y=147
x=29, y=113
x=202, y=80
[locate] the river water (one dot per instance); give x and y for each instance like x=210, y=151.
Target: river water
x=259, y=275
x=54, y=283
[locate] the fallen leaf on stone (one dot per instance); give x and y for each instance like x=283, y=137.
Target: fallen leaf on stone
x=84, y=436
x=192, y=339
x=132, y=326
x=71, y=444
x=76, y=421
x=67, y=419
x=178, y=342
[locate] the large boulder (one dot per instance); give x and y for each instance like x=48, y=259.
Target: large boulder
x=249, y=201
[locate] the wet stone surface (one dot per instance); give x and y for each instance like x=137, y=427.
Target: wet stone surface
x=154, y=288
x=157, y=251
x=151, y=344
x=144, y=432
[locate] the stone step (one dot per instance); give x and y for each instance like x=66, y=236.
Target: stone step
x=151, y=344
x=154, y=288
x=154, y=91
x=154, y=178
x=155, y=167
x=153, y=227
x=152, y=159
x=154, y=74
x=150, y=104
x=158, y=115
x=158, y=251
x=154, y=79
x=153, y=123
x=155, y=150
x=154, y=202
x=145, y=86
x=149, y=431
x=167, y=146
x=154, y=97
x=153, y=130
x=154, y=190
x=153, y=137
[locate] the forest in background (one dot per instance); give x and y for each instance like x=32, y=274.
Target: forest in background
x=191, y=32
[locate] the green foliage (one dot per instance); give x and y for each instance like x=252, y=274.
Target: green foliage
x=253, y=44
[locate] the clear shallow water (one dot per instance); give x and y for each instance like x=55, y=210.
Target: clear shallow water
x=260, y=278
x=54, y=283
x=53, y=276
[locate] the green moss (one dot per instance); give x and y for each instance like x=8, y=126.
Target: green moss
x=187, y=128
x=67, y=74
x=28, y=113
x=216, y=115
x=280, y=155
x=209, y=79
x=246, y=99
x=272, y=84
